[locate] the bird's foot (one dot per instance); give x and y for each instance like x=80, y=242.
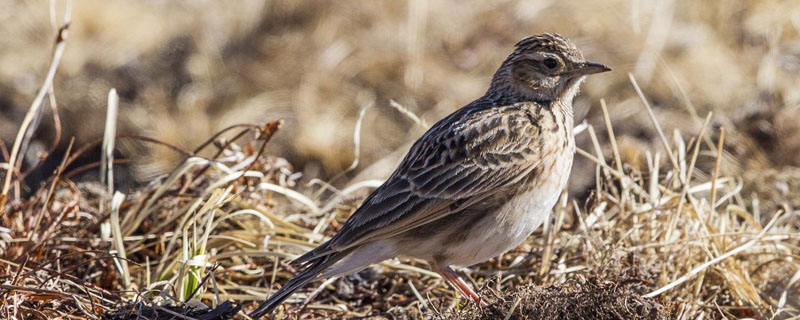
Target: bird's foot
x=455, y=280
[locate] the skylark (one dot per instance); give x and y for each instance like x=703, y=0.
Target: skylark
x=476, y=184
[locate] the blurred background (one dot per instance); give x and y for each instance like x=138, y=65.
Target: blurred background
x=185, y=70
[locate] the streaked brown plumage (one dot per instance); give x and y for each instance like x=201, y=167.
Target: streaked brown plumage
x=477, y=183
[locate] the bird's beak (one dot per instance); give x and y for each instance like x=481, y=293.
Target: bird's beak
x=592, y=68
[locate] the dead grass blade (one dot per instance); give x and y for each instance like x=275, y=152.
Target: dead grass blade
x=60, y=44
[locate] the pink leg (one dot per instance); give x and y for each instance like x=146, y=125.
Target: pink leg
x=457, y=283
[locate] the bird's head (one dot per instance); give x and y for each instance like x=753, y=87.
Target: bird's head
x=544, y=67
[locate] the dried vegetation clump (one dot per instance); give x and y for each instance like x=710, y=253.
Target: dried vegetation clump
x=591, y=296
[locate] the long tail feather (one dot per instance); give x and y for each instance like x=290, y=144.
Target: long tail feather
x=309, y=257
x=308, y=275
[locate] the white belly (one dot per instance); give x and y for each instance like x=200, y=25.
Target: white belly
x=507, y=228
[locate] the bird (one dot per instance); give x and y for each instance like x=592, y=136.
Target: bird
x=476, y=184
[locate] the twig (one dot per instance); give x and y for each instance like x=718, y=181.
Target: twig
x=122, y=262
x=414, y=290
x=107, y=154
x=715, y=175
x=617, y=158
x=265, y=133
x=208, y=142
x=513, y=307
x=655, y=122
x=673, y=219
x=317, y=291
x=97, y=142
x=56, y=139
x=409, y=114
x=356, y=143
x=34, y=108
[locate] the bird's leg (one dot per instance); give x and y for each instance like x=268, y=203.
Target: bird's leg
x=452, y=277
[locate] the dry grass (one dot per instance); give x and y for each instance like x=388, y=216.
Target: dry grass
x=672, y=212
x=224, y=230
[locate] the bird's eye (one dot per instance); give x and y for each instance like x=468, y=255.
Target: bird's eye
x=550, y=63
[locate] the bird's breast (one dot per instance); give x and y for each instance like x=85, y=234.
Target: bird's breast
x=514, y=215
x=538, y=194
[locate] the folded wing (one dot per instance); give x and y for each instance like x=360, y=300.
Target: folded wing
x=462, y=159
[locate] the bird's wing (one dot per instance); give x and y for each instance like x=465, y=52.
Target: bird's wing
x=462, y=159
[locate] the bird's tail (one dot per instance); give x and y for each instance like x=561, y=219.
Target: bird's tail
x=309, y=274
